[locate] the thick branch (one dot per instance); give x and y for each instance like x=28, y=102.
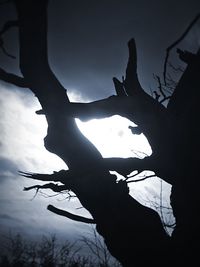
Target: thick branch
x=61, y=176
x=131, y=83
x=12, y=78
x=124, y=166
x=70, y=215
x=142, y=109
x=138, y=106
x=34, y=63
x=53, y=187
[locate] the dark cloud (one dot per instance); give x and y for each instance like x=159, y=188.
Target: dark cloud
x=7, y=165
x=8, y=217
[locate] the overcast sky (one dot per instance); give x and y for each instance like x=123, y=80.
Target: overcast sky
x=87, y=47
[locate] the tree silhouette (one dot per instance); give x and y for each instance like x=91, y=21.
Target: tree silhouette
x=133, y=233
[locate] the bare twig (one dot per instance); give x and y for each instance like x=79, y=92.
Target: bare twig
x=141, y=179
x=165, y=99
x=98, y=248
x=161, y=90
x=9, y=24
x=159, y=85
x=175, y=69
x=161, y=200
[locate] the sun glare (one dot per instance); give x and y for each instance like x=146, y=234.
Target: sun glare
x=113, y=138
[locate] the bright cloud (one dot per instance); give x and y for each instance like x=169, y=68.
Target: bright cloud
x=113, y=138
x=23, y=132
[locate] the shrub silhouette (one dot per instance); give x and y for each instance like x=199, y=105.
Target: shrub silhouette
x=49, y=252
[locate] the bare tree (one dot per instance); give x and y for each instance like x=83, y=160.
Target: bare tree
x=98, y=249
x=133, y=233
x=49, y=252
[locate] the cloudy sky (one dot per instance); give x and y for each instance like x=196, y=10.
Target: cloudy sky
x=87, y=47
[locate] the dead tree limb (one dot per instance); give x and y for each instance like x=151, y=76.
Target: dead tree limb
x=12, y=79
x=70, y=215
x=53, y=187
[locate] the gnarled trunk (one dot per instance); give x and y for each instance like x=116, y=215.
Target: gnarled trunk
x=125, y=224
